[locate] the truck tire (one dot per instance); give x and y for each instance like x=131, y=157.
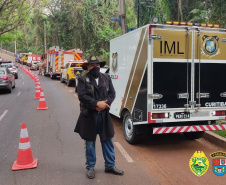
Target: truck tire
x=129, y=129
x=193, y=135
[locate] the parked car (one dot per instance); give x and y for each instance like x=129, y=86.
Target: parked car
x=34, y=65
x=70, y=72
x=11, y=67
x=7, y=79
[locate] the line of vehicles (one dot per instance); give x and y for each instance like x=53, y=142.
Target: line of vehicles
x=168, y=78
x=8, y=74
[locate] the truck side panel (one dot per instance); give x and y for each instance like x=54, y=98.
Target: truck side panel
x=127, y=66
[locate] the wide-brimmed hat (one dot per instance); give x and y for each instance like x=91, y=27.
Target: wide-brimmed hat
x=93, y=60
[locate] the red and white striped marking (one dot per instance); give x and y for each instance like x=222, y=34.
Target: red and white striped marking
x=193, y=128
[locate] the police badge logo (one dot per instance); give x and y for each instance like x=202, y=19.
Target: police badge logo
x=219, y=163
x=199, y=163
x=210, y=45
x=93, y=58
x=114, y=62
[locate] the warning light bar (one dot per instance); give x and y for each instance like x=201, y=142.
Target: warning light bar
x=192, y=24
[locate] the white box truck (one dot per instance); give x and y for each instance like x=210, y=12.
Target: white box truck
x=169, y=79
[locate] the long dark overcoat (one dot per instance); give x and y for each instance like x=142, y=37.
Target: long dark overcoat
x=87, y=122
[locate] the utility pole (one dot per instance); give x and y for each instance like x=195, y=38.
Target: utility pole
x=15, y=47
x=45, y=36
x=44, y=58
x=122, y=14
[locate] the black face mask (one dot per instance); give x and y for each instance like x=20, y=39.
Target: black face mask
x=95, y=72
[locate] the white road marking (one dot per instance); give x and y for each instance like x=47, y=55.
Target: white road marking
x=123, y=152
x=18, y=94
x=76, y=95
x=23, y=83
x=70, y=90
x=2, y=116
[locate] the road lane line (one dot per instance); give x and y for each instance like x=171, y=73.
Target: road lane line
x=23, y=83
x=70, y=90
x=123, y=152
x=2, y=116
x=76, y=95
x=18, y=94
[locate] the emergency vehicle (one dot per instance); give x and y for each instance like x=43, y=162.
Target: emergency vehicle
x=169, y=78
x=33, y=58
x=57, y=58
x=71, y=71
x=23, y=59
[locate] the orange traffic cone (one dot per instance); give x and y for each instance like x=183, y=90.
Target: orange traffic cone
x=42, y=102
x=37, y=94
x=24, y=157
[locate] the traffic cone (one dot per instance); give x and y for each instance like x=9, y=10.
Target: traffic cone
x=42, y=102
x=24, y=156
x=37, y=94
x=37, y=87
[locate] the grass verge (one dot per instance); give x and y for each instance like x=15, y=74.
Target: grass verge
x=220, y=132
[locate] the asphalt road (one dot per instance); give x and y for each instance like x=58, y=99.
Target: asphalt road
x=162, y=159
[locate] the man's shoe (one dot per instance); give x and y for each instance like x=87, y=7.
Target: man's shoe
x=90, y=174
x=114, y=170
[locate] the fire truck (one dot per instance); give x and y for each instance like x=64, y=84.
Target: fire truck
x=57, y=58
x=169, y=78
x=33, y=58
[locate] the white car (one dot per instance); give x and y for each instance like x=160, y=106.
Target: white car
x=11, y=67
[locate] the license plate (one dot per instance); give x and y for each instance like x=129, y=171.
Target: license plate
x=182, y=115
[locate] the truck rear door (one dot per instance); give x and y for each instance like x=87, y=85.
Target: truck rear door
x=188, y=69
x=210, y=68
x=171, y=68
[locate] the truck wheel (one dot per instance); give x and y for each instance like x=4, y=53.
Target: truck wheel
x=129, y=129
x=193, y=135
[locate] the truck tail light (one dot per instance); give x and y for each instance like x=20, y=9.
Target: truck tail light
x=219, y=113
x=4, y=77
x=160, y=115
x=14, y=68
x=72, y=71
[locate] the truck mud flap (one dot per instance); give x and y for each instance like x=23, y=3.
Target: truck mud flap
x=193, y=128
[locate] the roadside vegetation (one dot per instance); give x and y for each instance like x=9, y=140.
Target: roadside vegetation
x=87, y=25
x=221, y=132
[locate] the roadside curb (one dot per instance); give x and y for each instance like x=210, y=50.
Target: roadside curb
x=215, y=139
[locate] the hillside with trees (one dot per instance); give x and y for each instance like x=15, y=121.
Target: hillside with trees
x=87, y=24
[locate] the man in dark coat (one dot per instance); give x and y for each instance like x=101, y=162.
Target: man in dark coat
x=96, y=93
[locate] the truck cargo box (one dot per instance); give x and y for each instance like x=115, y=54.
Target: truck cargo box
x=169, y=79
